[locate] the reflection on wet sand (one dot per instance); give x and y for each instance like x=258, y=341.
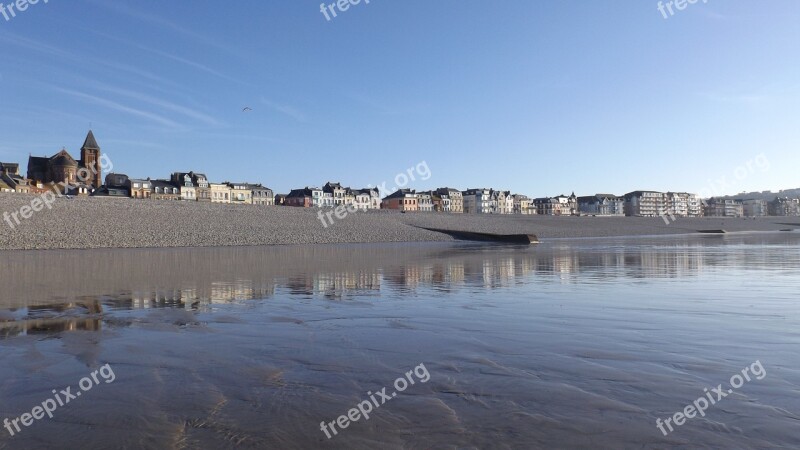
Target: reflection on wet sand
x=195, y=279
x=579, y=344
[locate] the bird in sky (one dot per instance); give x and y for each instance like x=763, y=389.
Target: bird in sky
x=247, y=109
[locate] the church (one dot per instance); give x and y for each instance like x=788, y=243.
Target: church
x=63, y=169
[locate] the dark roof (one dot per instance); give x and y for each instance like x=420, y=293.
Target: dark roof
x=63, y=158
x=161, y=184
x=305, y=192
x=111, y=192
x=90, y=142
x=400, y=193
x=37, y=164
x=329, y=187
x=258, y=187
x=11, y=167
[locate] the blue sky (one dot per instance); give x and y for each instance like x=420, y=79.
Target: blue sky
x=540, y=98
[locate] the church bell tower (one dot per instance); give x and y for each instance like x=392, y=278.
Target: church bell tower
x=90, y=157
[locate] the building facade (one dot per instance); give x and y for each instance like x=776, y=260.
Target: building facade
x=478, y=201
x=401, y=200
x=303, y=198
x=62, y=169
x=261, y=195
x=456, y=198
x=202, y=187
x=164, y=190
x=139, y=188
x=719, y=207
x=220, y=192
x=12, y=180
x=645, y=204
x=784, y=207
x=755, y=208
x=602, y=205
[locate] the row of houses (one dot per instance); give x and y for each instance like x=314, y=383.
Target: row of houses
x=187, y=186
x=683, y=204
x=67, y=175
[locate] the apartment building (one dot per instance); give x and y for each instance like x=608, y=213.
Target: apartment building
x=645, y=204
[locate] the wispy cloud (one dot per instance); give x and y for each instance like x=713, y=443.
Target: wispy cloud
x=166, y=24
x=37, y=46
x=188, y=112
x=163, y=54
x=287, y=110
x=118, y=107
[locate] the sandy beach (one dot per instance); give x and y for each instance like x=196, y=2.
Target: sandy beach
x=83, y=223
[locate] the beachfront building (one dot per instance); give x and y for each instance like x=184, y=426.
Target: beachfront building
x=645, y=204
x=361, y=200
x=561, y=205
x=683, y=204
x=186, y=188
x=116, y=180
x=12, y=180
x=502, y=202
x=366, y=199
x=241, y=194
x=784, y=207
x=602, y=205
x=349, y=197
x=401, y=200
x=220, y=192
x=755, y=208
x=425, y=202
x=441, y=202
x=456, y=198
x=164, y=190
x=202, y=187
x=4, y=187
x=139, y=188
x=522, y=205
x=336, y=192
x=262, y=196
x=719, y=207
x=478, y=201
x=303, y=198
x=62, y=169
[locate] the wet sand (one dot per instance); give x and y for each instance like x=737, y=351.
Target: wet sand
x=84, y=223
x=565, y=345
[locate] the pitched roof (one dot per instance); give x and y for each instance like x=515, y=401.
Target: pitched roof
x=63, y=158
x=305, y=192
x=401, y=193
x=161, y=184
x=90, y=142
x=37, y=164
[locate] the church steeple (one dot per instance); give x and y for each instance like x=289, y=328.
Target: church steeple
x=90, y=159
x=90, y=143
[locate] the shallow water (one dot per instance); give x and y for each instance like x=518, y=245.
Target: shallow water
x=570, y=344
